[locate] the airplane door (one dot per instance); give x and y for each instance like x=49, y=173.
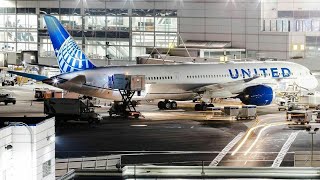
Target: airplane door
x=176, y=76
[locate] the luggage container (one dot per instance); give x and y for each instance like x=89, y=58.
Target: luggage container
x=231, y=110
x=248, y=112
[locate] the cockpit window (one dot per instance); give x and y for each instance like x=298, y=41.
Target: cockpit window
x=310, y=72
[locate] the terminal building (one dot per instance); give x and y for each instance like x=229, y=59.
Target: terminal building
x=122, y=30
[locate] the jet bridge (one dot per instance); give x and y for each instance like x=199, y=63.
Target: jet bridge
x=127, y=85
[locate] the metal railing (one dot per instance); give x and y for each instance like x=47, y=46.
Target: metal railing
x=63, y=166
x=98, y=161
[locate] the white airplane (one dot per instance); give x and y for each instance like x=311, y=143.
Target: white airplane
x=253, y=82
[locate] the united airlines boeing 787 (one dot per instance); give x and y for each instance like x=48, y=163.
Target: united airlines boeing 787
x=253, y=82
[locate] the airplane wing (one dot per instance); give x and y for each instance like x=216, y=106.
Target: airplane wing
x=28, y=75
x=221, y=86
x=232, y=89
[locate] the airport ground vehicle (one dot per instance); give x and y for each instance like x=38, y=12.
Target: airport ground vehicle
x=45, y=93
x=8, y=83
x=7, y=98
x=283, y=106
x=118, y=108
x=292, y=106
x=299, y=116
x=295, y=106
x=71, y=109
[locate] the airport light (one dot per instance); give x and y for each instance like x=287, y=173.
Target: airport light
x=312, y=132
x=55, y=80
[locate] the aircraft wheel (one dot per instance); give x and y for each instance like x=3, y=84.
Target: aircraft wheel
x=203, y=107
x=161, y=105
x=197, y=107
x=134, y=103
x=174, y=105
x=168, y=105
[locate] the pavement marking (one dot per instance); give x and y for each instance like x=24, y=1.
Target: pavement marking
x=284, y=149
x=139, y=125
x=246, y=138
x=225, y=150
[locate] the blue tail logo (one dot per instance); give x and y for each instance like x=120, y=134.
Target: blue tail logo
x=70, y=57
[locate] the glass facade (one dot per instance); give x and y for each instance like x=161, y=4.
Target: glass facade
x=275, y=20
x=119, y=34
x=18, y=29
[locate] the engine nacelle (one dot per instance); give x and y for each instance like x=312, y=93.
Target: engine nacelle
x=259, y=95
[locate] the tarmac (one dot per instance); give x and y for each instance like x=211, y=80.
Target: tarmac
x=169, y=137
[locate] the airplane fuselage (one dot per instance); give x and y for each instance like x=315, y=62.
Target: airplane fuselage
x=179, y=81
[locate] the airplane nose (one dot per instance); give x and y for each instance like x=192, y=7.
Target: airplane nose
x=315, y=82
x=308, y=83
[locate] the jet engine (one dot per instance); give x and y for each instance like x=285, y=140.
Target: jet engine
x=258, y=95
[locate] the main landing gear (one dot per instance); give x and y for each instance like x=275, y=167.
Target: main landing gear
x=202, y=106
x=167, y=104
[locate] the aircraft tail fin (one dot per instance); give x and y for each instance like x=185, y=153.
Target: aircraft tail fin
x=69, y=56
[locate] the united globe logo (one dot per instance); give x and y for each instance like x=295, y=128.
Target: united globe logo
x=71, y=58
